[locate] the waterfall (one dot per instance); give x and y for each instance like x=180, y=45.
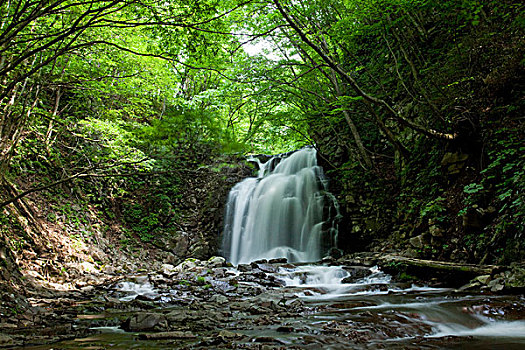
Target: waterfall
x=284, y=212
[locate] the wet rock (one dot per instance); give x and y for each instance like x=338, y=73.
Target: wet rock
x=182, y=243
x=169, y=270
x=515, y=279
x=293, y=304
x=285, y=329
x=157, y=279
x=110, y=270
x=257, y=262
x=453, y=162
x=267, y=340
x=145, y=321
x=5, y=340
x=229, y=335
x=436, y=231
x=496, y=285
x=147, y=297
x=221, y=286
x=278, y=261
x=239, y=305
x=258, y=310
x=268, y=268
x=471, y=220
x=485, y=279
x=356, y=273
x=177, y=316
x=216, y=261
x=186, y=265
x=210, y=342
x=88, y=267
x=219, y=299
x=328, y=260
x=168, y=335
x=470, y=286
x=244, y=267
x=11, y=324
x=199, y=250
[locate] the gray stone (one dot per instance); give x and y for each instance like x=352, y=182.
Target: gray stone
x=169, y=270
x=186, y=265
x=110, y=270
x=485, y=279
x=182, y=244
x=472, y=285
x=216, y=261
x=221, y=286
x=167, y=335
x=219, y=298
x=516, y=277
x=227, y=334
x=453, y=162
x=496, y=285
x=177, y=316
x=244, y=267
x=145, y=321
x=418, y=241
x=5, y=340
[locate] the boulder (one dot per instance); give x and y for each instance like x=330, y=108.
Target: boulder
x=5, y=340
x=216, y=261
x=145, y=321
x=453, y=162
x=169, y=270
x=483, y=279
x=186, y=265
x=219, y=299
x=418, y=241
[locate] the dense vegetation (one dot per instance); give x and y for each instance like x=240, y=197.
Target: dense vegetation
x=416, y=106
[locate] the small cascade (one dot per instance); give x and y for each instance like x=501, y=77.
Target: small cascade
x=285, y=212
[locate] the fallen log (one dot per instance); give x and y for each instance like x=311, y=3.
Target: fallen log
x=449, y=272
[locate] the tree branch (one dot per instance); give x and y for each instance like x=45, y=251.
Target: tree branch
x=353, y=83
x=82, y=174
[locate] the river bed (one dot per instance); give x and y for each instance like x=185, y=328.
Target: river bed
x=208, y=305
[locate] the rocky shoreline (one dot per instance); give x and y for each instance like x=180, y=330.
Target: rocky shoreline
x=209, y=304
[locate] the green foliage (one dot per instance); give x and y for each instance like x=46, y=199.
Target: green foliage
x=132, y=96
x=403, y=276
x=421, y=194
x=435, y=210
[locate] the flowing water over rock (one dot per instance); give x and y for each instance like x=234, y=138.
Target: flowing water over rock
x=281, y=213
x=275, y=304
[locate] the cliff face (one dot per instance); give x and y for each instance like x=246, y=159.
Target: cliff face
x=460, y=199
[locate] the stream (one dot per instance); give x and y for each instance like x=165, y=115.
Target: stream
x=263, y=295
x=279, y=305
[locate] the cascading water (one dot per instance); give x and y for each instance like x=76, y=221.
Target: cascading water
x=281, y=213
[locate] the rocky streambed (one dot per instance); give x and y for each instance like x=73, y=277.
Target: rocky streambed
x=267, y=305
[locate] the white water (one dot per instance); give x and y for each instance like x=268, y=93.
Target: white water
x=326, y=281
x=132, y=289
x=279, y=213
x=490, y=328
x=431, y=306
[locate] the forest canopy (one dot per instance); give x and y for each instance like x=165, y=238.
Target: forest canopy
x=102, y=88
